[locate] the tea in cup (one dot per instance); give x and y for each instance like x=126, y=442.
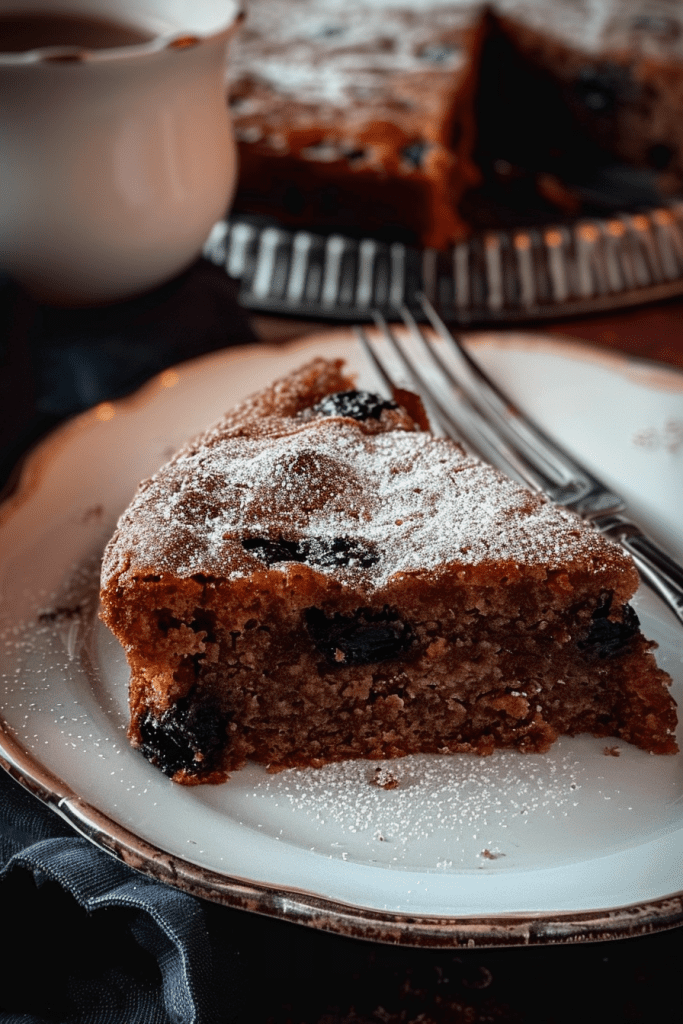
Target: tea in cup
x=118, y=154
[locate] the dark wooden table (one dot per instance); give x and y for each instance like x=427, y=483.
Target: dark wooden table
x=649, y=332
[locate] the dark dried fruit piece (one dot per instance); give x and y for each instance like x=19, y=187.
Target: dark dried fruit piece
x=363, y=638
x=340, y=551
x=325, y=552
x=414, y=154
x=271, y=551
x=607, y=638
x=356, y=405
x=601, y=89
x=187, y=737
x=437, y=53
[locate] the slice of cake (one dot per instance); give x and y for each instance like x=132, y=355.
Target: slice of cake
x=316, y=578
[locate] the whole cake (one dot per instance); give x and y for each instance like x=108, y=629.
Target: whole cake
x=384, y=117
x=317, y=578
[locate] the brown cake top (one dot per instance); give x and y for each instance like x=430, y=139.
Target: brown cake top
x=339, y=54
x=289, y=477
x=342, y=53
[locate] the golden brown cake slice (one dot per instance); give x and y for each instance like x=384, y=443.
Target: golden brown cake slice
x=316, y=579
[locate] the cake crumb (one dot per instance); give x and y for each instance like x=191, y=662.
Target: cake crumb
x=384, y=778
x=611, y=751
x=488, y=855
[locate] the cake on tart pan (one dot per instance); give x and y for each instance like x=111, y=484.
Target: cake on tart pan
x=382, y=116
x=317, y=578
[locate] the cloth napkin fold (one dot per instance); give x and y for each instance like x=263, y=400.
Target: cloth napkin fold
x=150, y=961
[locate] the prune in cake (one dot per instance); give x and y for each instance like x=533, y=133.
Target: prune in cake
x=358, y=405
x=321, y=551
x=187, y=737
x=297, y=588
x=606, y=637
x=366, y=637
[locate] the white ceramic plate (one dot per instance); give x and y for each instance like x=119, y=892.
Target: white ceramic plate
x=577, y=843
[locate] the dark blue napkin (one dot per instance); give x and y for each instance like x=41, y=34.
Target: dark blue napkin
x=147, y=959
x=57, y=362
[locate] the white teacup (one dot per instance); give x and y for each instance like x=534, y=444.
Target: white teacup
x=117, y=151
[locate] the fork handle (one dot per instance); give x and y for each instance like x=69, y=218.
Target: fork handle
x=656, y=568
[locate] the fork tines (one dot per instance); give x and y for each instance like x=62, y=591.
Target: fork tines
x=467, y=405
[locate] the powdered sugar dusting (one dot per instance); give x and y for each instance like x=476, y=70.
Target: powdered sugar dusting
x=422, y=503
x=473, y=804
x=339, y=53
x=326, y=51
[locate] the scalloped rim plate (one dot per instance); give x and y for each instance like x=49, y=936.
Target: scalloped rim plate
x=585, y=842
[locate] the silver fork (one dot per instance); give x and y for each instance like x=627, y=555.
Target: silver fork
x=468, y=406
